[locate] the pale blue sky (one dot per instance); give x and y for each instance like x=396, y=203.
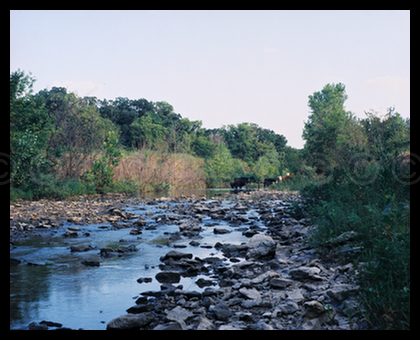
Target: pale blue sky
x=221, y=67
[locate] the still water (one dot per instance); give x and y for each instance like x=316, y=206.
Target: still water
x=63, y=290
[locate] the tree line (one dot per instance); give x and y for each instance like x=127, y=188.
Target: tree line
x=56, y=135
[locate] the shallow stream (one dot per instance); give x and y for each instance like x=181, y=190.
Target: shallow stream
x=51, y=283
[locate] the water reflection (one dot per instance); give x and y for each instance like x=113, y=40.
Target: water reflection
x=207, y=193
x=63, y=290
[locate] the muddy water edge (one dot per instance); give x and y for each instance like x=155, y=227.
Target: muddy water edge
x=238, y=261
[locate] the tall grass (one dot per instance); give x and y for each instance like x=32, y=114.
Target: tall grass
x=138, y=171
x=155, y=171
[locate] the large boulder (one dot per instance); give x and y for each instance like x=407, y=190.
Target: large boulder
x=130, y=321
x=261, y=246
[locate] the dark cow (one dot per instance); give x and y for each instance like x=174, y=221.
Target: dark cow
x=269, y=181
x=241, y=181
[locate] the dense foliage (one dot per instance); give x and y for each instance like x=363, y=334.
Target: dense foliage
x=366, y=192
x=60, y=143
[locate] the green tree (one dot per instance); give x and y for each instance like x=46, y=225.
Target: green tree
x=123, y=112
x=221, y=167
x=30, y=128
x=203, y=147
x=248, y=141
x=351, y=140
x=145, y=132
x=77, y=130
x=293, y=159
x=325, y=124
x=389, y=135
x=101, y=173
x=275, y=163
x=261, y=169
x=268, y=166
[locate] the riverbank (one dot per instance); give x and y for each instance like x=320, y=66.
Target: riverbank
x=271, y=280
x=33, y=218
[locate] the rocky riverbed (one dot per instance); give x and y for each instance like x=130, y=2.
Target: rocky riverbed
x=31, y=218
x=273, y=281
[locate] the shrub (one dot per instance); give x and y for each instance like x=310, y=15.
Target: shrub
x=377, y=210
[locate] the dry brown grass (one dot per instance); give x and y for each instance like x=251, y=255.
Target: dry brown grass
x=152, y=170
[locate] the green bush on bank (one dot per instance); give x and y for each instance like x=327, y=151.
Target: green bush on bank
x=378, y=214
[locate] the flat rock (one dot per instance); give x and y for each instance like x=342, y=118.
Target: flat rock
x=131, y=321
x=80, y=248
x=221, y=231
x=250, y=293
x=179, y=314
x=168, y=277
x=280, y=283
x=256, y=303
x=176, y=255
x=140, y=308
x=203, y=283
x=265, y=276
x=295, y=295
x=341, y=292
x=302, y=273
